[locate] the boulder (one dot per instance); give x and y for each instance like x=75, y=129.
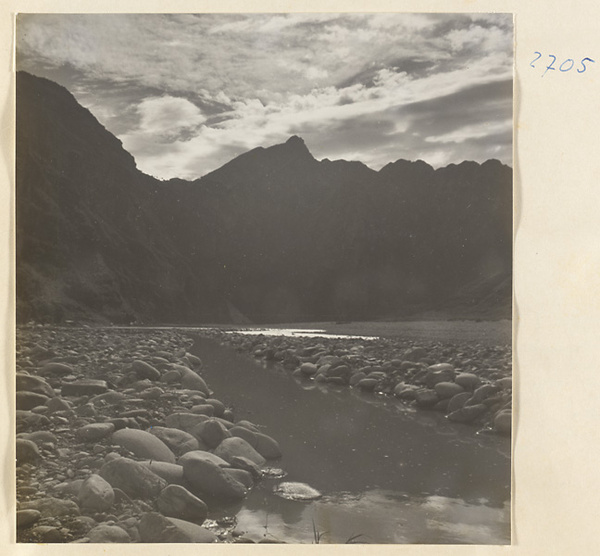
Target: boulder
x=84, y=387
x=26, y=421
x=145, y=370
x=96, y=494
x=26, y=451
x=26, y=518
x=367, y=384
x=219, y=406
x=203, y=409
x=56, y=369
x=105, y=533
x=467, y=414
x=36, y=384
x=178, y=441
x=133, y=478
x=446, y=390
x=503, y=421
x=266, y=446
x=468, y=381
x=238, y=462
x=242, y=432
x=296, y=491
x=206, y=477
x=236, y=446
x=190, y=379
x=51, y=507
x=95, y=431
x=156, y=528
x=308, y=369
x=244, y=477
x=415, y=354
x=170, y=472
x=177, y=501
x=482, y=393
x=458, y=401
x=28, y=400
x=204, y=456
x=426, y=398
x=211, y=432
x=184, y=421
x=143, y=445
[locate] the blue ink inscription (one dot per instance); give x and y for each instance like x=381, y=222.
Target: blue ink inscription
x=566, y=66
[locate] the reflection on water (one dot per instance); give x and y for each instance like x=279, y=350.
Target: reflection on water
x=293, y=332
x=387, y=472
x=376, y=516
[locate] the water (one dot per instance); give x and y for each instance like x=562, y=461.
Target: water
x=388, y=474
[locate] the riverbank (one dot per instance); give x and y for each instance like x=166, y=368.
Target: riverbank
x=469, y=380
x=120, y=439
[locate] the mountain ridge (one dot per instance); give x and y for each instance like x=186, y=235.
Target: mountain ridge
x=301, y=239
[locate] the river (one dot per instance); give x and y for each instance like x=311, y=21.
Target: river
x=388, y=474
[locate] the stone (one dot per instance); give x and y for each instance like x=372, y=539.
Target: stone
x=206, y=477
x=48, y=534
x=132, y=477
x=204, y=456
x=51, y=507
x=367, y=384
x=244, y=477
x=503, y=421
x=236, y=446
x=145, y=370
x=238, y=462
x=80, y=525
x=415, y=354
x=468, y=381
x=56, y=369
x=211, y=432
x=266, y=446
x=184, y=421
x=356, y=378
x=458, y=401
x=177, y=501
x=296, y=491
x=467, y=414
x=203, y=409
x=95, y=431
x=482, y=393
x=26, y=451
x=434, y=377
x=190, y=379
x=26, y=518
x=26, y=421
x=108, y=398
x=40, y=437
x=426, y=398
x=156, y=528
x=170, y=472
x=247, y=425
x=178, y=441
x=505, y=383
x=194, y=361
x=341, y=371
x=36, y=384
x=308, y=369
x=404, y=391
x=219, y=406
x=58, y=404
x=96, y=494
x=153, y=393
x=105, y=533
x=143, y=445
x=446, y=390
x=84, y=387
x=28, y=400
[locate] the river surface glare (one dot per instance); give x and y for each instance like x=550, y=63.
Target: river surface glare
x=388, y=474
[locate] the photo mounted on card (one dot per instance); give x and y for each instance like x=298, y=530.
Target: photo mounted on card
x=264, y=278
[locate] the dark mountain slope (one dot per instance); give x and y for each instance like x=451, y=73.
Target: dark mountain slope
x=274, y=234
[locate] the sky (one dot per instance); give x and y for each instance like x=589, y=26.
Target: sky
x=186, y=93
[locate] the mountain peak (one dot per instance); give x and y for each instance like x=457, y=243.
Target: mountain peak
x=295, y=140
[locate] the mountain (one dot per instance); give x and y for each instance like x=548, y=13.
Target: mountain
x=274, y=235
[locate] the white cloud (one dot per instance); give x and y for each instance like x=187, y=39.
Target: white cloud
x=168, y=115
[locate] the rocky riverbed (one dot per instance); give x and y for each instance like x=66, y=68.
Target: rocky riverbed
x=120, y=439
x=470, y=382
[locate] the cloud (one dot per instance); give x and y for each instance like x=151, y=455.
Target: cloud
x=186, y=92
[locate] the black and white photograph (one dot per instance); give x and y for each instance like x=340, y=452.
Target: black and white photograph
x=264, y=278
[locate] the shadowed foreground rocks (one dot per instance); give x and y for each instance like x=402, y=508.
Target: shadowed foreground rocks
x=119, y=438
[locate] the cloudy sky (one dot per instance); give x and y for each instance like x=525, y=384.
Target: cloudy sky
x=186, y=93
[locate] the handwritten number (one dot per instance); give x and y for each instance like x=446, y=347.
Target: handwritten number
x=570, y=67
x=551, y=64
x=583, y=65
x=539, y=55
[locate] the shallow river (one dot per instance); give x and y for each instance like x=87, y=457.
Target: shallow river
x=387, y=474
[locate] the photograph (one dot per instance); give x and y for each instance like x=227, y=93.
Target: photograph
x=264, y=278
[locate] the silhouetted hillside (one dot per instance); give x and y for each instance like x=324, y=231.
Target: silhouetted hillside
x=273, y=235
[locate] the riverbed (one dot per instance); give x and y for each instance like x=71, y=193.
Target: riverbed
x=388, y=474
